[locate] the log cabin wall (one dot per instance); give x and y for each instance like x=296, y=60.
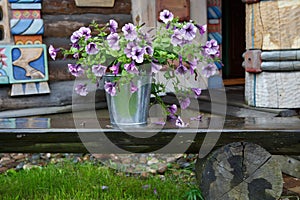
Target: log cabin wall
x=63, y=17
x=272, y=59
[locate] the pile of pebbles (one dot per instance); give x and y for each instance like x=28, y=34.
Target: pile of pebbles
x=130, y=163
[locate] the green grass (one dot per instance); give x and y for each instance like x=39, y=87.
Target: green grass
x=86, y=181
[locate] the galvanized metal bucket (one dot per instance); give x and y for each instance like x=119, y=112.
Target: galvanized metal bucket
x=126, y=108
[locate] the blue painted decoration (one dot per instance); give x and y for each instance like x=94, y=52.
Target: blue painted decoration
x=26, y=6
x=27, y=26
x=214, y=12
x=216, y=36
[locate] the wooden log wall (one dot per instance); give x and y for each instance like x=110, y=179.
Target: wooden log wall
x=273, y=25
x=63, y=17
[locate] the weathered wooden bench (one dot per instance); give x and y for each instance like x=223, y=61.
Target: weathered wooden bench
x=240, y=165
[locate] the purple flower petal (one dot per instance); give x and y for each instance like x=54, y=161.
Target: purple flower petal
x=115, y=68
x=53, y=52
x=129, y=31
x=193, y=65
x=113, y=41
x=166, y=16
x=180, y=123
x=133, y=88
x=149, y=50
x=177, y=38
x=91, y=48
x=189, y=31
x=184, y=104
x=209, y=70
x=172, y=109
x=197, y=91
x=128, y=49
x=99, y=70
x=86, y=32
x=75, y=37
x=131, y=68
x=198, y=118
x=138, y=54
x=110, y=88
x=181, y=69
x=211, y=48
x=76, y=69
x=113, y=25
x=81, y=89
x=155, y=67
x=202, y=29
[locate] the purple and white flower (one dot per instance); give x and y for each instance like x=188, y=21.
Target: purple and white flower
x=138, y=54
x=193, y=65
x=75, y=37
x=115, y=68
x=99, y=70
x=155, y=67
x=128, y=49
x=184, y=103
x=76, y=69
x=133, y=88
x=110, y=88
x=209, y=70
x=189, y=31
x=211, y=48
x=85, y=32
x=149, y=50
x=113, y=41
x=172, y=111
x=131, y=68
x=81, y=89
x=129, y=31
x=91, y=48
x=202, y=29
x=113, y=25
x=53, y=52
x=181, y=69
x=180, y=123
x=197, y=91
x=198, y=118
x=177, y=38
x=166, y=16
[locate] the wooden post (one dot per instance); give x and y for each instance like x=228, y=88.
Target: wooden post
x=239, y=171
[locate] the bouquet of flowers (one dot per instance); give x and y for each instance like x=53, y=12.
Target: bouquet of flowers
x=173, y=49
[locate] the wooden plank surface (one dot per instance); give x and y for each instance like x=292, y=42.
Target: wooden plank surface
x=58, y=133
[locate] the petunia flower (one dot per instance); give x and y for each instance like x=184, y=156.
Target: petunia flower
x=197, y=91
x=180, y=123
x=181, y=69
x=133, y=88
x=99, y=70
x=166, y=16
x=113, y=41
x=202, y=29
x=193, y=65
x=176, y=38
x=113, y=25
x=209, y=70
x=91, y=48
x=76, y=69
x=81, y=89
x=211, y=48
x=115, y=68
x=110, y=88
x=85, y=32
x=128, y=49
x=129, y=32
x=149, y=50
x=75, y=37
x=184, y=103
x=138, y=54
x=172, y=111
x=53, y=52
x=189, y=31
x=198, y=118
x=131, y=68
x=155, y=67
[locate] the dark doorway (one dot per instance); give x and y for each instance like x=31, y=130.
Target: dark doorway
x=234, y=42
